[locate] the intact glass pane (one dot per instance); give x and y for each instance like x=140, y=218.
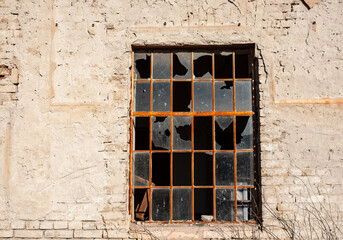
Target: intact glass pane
x=161, y=97
x=142, y=97
x=202, y=65
x=243, y=96
x=224, y=96
x=203, y=169
x=225, y=204
x=141, y=169
x=245, y=168
x=182, y=204
x=224, y=133
x=160, y=133
x=160, y=205
x=182, y=68
x=142, y=65
x=142, y=128
x=225, y=169
x=244, y=210
x=182, y=133
x=244, y=132
x=202, y=96
x=161, y=68
x=223, y=65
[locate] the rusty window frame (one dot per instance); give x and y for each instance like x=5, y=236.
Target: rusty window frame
x=256, y=187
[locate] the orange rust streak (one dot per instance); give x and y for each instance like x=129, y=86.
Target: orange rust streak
x=312, y=101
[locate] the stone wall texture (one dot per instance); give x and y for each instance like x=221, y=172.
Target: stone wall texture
x=65, y=105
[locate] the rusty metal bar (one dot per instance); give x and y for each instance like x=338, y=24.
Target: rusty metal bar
x=131, y=136
x=150, y=136
x=165, y=114
x=213, y=140
x=192, y=135
x=234, y=131
x=171, y=138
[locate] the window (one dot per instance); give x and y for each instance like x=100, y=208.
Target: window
x=193, y=140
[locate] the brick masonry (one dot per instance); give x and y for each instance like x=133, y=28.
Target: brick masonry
x=65, y=97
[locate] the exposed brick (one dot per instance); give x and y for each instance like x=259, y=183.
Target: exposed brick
x=75, y=225
x=18, y=225
x=32, y=225
x=8, y=88
x=61, y=225
x=59, y=233
x=88, y=233
x=6, y=233
x=28, y=233
x=46, y=225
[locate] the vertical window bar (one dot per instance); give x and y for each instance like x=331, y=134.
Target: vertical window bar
x=150, y=137
x=234, y=132
x=192, y=137
x=171, y=139
x=131, y=204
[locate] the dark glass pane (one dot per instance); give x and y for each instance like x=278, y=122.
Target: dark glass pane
x=160, y=205
x=202, y=65
x=161, y=169
x=224, y=96
x=244, y=132
x=203, y=133
x=141, y=169
x=161, y=68
x=182, y=133
x=142, y=97
x=160, y=133
x=223, y=65
x=161, y=97
x=182, y=68
x=202, y=96
x=182, y=171
x=141, y=204
x=142, y=127
x=224, y=133
x=182, y=204
x=245, y=168
x=242, y=70
x=243, y=96
x=203, y=169
x=225, y=169
x=142, y=65
x=244, y=210
x=225, y=204
x=203, y=203
x=182, y=96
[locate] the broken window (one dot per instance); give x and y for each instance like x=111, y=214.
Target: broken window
x=193, y=136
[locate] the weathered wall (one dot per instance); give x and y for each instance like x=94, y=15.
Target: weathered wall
x=64, y=126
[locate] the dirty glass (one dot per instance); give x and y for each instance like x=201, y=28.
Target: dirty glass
x=243, y=96
x=160, y=205
x=142, y=99
x=142, y=65
x=203, y=133
x=182, y=96
x=142, y=128
x=141, y=169
x=182, y=171
x=160, y=169
x=160, y=133
x=182, y=133
x=202, y=65
x=225, y=168
x=244, y=205
x=224, y=133
x=182, y=68
x=225, y=204
x=203, y=204
x=245, y=168
x=161, y=66
x=244, y=132
x=203, y=169
x=223, y=65
x=202, y=96
x=242, y=68
x=161, y=97
x=182, y=204
x=224, y=96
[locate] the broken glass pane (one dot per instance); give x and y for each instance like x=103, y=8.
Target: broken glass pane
x=202, y=96
x=142, y=65
x=203, y=203
x=142, y=98
x=203, y=165
x=160, y=205
x=242, y=70
x=182, y=96
x=202, y=65
x=245, y=168
x=141, y=204
x=142, y=127
x=182, y=65
x=244, y=132
x=161, y=169
x=243, y=96
x=224, y=96
x=182, y=133
x=182, y=171
x=225, y=168
x=182, y=204
x=224, y=133
x=203, y=133
x=161, y=97
x=244, y=212
x=160, y=133
x=161, y=68
x=223, y=65
x=141, y=169
x=225, y=204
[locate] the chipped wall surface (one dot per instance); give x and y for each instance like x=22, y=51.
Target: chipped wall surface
x=65, y=97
